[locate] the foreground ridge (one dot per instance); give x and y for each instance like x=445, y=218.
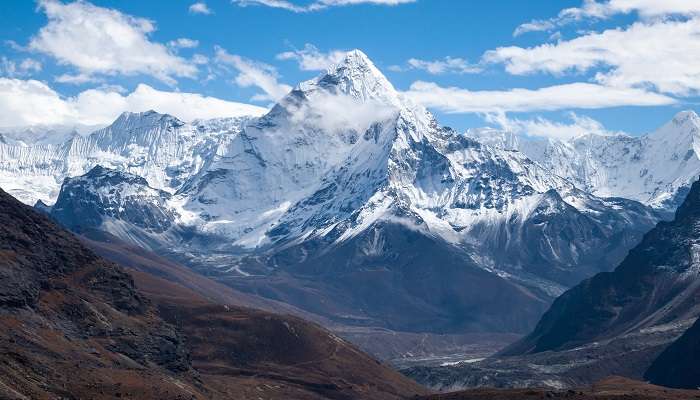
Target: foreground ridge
x=76, y=325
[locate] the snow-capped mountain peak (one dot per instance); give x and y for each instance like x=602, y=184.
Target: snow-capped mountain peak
x=138, y=127
x=655, y=169
x=687, y=116
x=355, y=76
x=158, y=147
x=129, y=120
x=682, y=130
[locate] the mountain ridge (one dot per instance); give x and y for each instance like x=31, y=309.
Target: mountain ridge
x=656, y=168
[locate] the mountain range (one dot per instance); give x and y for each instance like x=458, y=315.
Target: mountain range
x=351, y=206
x=638, y=321
x=350, y=202
x=655, y=169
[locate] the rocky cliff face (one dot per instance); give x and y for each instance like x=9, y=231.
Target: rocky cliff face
x=119, y=202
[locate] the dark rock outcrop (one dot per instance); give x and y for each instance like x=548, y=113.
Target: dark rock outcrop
x=678, y=365
x=88, y=200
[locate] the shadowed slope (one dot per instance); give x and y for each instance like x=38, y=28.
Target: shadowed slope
x=76, y=326
x=655, y=284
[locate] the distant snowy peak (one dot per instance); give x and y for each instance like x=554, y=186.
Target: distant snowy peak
x=164, y=150
x=128, y=121
x=682, y=132
x=656, y=169
x=684, y=121
x=38, y=135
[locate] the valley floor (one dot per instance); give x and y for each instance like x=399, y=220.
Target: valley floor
x=407, y=349
x=614, y=388
x=629, y=355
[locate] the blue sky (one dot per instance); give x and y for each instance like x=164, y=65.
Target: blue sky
x=45, y=42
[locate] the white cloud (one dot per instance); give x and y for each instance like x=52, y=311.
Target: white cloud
x=536, y=25
x=336, y=3
x=337, y=112
x=200, y=8
x=572, y=95
x=252, y=73
x=645, y=8
x=592, y=9
x=16, y=68
x=99, y=40
x=662, y=55
x=316, y=5
x=183, y=43
x=30, y=102
x=311, y=59
x=14, y=45
x=446, y=65
x=200, y=59
x=76, y=79
x=283, y=4
x=106, y=87
x=555, y=36
x=579, y=125
x=30, y=65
